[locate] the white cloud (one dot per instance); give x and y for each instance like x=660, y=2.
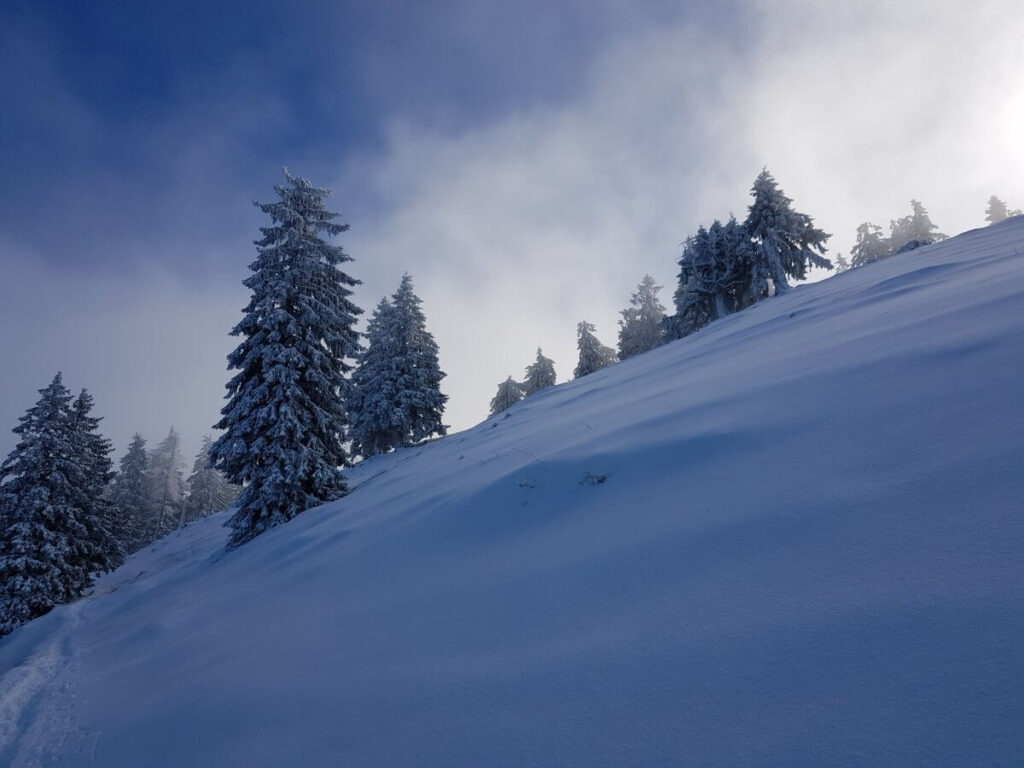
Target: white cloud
x=519, y=229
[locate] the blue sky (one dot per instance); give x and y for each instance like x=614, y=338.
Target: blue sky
x=144, y=121
x=526, y=162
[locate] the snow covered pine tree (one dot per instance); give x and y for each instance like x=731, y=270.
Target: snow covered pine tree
x=996, y=210
x=166, y=483
x=208, y=490
x=92, y=454
x=131, y=497
x=397, y=398
x=715, y=271
x=50, y=539
x=285, y=421
x=914, y=230
x=871, y=245
x=641, y=327
x=593, y=354
x=540, y=374
x=509, y=393
x=786, y=241
x=376, y=423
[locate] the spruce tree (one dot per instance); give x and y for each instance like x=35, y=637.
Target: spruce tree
x=540, y=374
x=509, y=393
x=397, y=385
x=741, y=277
x=593, y=354
x=285, y=421
x=45, y=553
x=415, y=368
x=166, y=483
x=841, y=264
x=208, y=490
x=641, y=327
x=92, y=454
x=997, y=211
x=871, y=245
x=914, y=230
x=130, y=496
x=695, y=297
x=787, y=242
x=716, y=277
x=376, y=422
x=419, y=398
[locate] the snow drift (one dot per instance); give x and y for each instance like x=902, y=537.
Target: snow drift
x=794, y=538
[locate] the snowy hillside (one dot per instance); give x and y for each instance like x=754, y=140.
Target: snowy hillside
x=795, y=538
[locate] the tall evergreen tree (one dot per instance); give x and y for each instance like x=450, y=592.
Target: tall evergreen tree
x=130, y=495
x=166, y=483
x=540, y=374
x=695, y=297
x=46, y=548
x=787, y=242
x=641, y=327
x=915, y=228
x=509, y=393
x=397, y=398
x=92, y=454
x=285, y=421
x=376, y=422
x=871, y=245
x=593, y=354
x=420, y=400
x=208, y=490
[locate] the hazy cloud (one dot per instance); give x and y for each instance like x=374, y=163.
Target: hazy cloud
x=517, y=228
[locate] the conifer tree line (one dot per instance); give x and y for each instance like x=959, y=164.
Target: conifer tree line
x=66, y=515
x=641, y=328
x=308, y=397
x=907, y=233
x=728, y=266
x=724, y=268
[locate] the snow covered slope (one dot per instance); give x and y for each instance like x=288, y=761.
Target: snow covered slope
x=795, y=538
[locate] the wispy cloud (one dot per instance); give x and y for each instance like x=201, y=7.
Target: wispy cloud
x=518, y=227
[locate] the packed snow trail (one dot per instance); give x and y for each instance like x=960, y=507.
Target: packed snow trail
x=793, y=538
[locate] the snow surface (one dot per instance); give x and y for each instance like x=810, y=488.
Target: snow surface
x=795, y=538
